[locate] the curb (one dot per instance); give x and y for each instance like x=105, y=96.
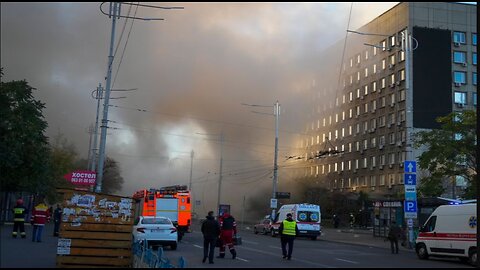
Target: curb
x=365, y=244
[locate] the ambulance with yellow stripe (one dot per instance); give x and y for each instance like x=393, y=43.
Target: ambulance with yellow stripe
x=450, y=231
x=307, y=216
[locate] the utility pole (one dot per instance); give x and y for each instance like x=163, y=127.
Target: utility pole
x=90, y=159
x=220, y=174
x=276, y=112
x=113, y=13
x=98, y=96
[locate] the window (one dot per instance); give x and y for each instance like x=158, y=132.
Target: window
x=366, y=55
x=358, y=76
x=474, y=58
x=401, y=56
x=401, y=115
x=373, y=181
x=358, y=93
x=358, y=111
x=460, y=98
x=391, y=137
x=474, y=39
x=382, y=180
x=373, y=143
x=392, y=78
x=374, y=105
x=381, y=121
x=391, y=158
x=459, y=57
x=366, y=72
x=474, y=99
x=351, y=62
x=392, y=41
x=474, y=78
x=381, y=141
x=460, y=77
x=459, y=37
x=374, y=86
x=384, y=63
x=401, y=95
x=391, y=59
x=358, y=59
x=429, y=225
x=365, y=88
x=401, y=75
x=375, y=50
x=374, y=68
x=383, y=82
x=392, y=99
x=383, y=44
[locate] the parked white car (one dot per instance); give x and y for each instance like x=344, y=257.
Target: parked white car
x=156, y=231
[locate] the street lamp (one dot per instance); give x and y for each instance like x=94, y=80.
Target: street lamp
x=276, y=113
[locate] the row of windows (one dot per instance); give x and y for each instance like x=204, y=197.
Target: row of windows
x=460, y=77
x=461, y=57
x=364, y=163
x=460, y=37
x=460, y=98
x=364, y=181
x=387, y=62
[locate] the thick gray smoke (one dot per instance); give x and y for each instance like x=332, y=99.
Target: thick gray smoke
x=192, y=71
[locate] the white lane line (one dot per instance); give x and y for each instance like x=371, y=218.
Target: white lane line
x=250, y=242
x=275, y=247
x=346, y=261
x=197, y=246
x=242, y=259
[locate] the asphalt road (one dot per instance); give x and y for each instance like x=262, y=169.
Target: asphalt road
x=257, y=251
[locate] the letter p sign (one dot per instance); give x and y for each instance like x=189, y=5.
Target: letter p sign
x=410, y=206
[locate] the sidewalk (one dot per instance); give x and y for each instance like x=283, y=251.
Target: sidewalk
x=23, y=253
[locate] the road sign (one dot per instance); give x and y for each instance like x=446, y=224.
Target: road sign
x=410, y=196
x=410, y=179
x=410, y=189
x=273, y=203
x=410, y=166
x=410, y=206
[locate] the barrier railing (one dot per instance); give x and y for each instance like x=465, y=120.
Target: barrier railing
x=145, y=257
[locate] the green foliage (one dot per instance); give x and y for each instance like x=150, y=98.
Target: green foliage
x=24, y=152
x=450, y=152
x=112, y=180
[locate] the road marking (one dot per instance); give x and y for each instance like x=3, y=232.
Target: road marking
x=197, y=246
x=238, y=258
x=275, y=247
x=250, y=242
x=279, y=256
x=346, y=261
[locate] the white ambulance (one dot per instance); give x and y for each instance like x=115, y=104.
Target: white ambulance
x=450, y=231
x=307, y=216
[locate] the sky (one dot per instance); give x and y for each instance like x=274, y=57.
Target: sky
x=192, y=72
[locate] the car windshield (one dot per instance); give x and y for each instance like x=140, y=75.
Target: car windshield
x=155, y=221
x=308, y=216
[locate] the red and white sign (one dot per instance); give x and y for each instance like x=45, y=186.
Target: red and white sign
x=82, y=177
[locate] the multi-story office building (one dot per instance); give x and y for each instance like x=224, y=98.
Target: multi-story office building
x=387, y=89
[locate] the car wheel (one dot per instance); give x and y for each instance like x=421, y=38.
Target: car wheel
x=255, y=230
x=422, y=252
x=472, y=256
x=173, y=246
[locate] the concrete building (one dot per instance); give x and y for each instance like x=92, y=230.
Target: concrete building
x=385, y=92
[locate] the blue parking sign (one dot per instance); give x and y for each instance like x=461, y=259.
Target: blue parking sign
x=410, y=206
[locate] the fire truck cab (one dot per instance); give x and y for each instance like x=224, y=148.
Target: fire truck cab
x=172, y=202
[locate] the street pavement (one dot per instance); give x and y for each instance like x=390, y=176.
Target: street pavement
x=25, y=254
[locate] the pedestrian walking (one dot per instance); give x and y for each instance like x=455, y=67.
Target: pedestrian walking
x=288, y=230
x=57, y=219
x=19, y=212
x=394, y=234
x=228, y=230
x=211, y=232
x=40, y=216
x=352, y=220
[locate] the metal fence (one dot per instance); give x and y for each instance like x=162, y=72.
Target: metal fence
x=145, y=257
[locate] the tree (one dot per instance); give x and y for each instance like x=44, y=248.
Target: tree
x=24, y=152
x=450, y=153
x=112, y=181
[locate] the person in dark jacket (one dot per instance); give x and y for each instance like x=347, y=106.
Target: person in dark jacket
x=228, y=229
x=210, y=231
x=57, y=218
x=19, y=212
x=394, y=234
x=288, y=230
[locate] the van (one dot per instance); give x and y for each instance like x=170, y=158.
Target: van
x=307, y=216
x=450, y=231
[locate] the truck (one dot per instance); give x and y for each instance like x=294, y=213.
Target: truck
x=172, y=202
x=307, y=216
x=450, y=231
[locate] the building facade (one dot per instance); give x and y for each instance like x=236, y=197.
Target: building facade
x=410, y=65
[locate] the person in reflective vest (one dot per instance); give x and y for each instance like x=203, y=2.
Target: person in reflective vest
x=40, y=216
x=228, y=229
x=19, y=212
x=288, y=230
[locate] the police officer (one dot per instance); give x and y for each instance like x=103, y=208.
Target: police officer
x=288, y=230
x=19, y=212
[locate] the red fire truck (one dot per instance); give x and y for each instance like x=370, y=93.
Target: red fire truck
x=172, y=202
